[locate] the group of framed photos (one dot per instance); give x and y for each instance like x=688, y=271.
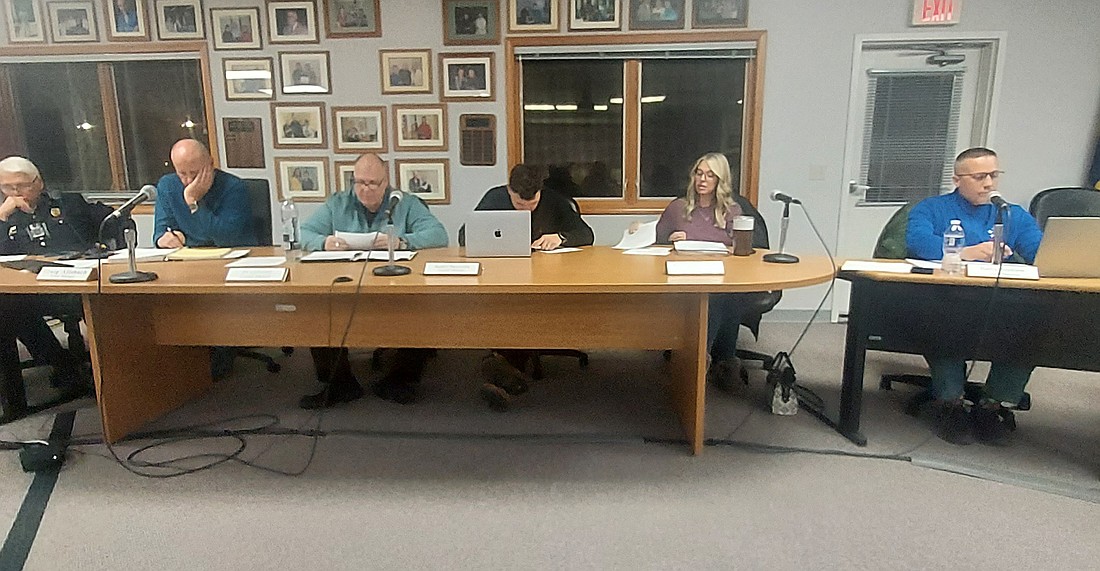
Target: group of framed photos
x=462, y=76
x=305, y=179
x=542, y=15
x=357, y=130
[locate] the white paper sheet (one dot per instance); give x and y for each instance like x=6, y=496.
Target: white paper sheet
x=927, y=264
x=384, y=256
x=700, y=246
x=653, y=251
x=140, y=255
x=560, y=251
x=258, y=262
x=865, y=266
x=235, y=254
x=358, y=240
x=645, y=236
x=333, y=256
x=13, y=258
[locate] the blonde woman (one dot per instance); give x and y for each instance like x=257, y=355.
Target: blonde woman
x=706, y=213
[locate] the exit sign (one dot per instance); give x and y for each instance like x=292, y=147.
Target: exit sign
x=936, y=12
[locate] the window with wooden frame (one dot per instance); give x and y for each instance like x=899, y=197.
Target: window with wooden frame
x=100, y=121
x=617, y=121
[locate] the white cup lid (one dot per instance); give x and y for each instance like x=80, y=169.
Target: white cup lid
x=744, y=223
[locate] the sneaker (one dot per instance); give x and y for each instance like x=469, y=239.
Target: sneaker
x=725, y=374
x=332, y=394
x=954, y=424
x=396, y=389
x=988, y=426
x=498, y=371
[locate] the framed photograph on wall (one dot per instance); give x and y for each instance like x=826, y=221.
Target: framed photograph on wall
x=471, y=22
x=24, y=18
x=428, y=179
x=595, y=14
x=466, y=77
x=180, y=20
x=719, y=13
x=235, y=28
x=343, y=174
x=359, y=129
x=126, y=21
x=405, y=71
x=298, y=125
x=249, y=78
x=304, y=73
x=533, y=16
x=353, y=18
x=304, y=179
x=420, y=127
x=73, y=22
x=292, y=22
x=656, y=14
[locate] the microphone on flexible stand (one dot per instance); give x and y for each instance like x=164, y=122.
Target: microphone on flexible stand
x=122, y=214
x=781, y=257
x=998, y=226
x=390, y=269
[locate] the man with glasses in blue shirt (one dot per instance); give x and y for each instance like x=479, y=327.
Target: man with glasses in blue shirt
x=976, y=175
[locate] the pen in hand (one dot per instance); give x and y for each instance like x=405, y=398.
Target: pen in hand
x=179, y=237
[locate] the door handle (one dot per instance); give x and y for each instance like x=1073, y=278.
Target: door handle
x=856, y=188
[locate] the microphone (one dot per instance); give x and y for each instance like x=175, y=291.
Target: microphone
x=148, y=192
x=394, y=199
x=784, y=198
x=998, y=200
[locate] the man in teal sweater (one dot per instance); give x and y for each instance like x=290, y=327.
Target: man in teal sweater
x=363, y=210
x=976, y=174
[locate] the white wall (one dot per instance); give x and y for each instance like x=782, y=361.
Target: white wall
x=1045, y=128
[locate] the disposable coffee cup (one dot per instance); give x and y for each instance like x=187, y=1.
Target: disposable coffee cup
x=742, y=235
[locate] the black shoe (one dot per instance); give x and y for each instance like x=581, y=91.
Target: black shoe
x=498, y=398
x=725, y=373
x=496, y=370
x=954, y=424
x=988, y=426
x=396, y=389
x=73, y=379
x=332, y=394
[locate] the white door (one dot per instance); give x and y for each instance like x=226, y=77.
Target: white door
x=914, y=106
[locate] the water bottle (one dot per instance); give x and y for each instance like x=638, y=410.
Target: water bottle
x=291, y=237
x=954, y=240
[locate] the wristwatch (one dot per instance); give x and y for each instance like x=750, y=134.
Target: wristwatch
x=562, y=238
x=193, y=207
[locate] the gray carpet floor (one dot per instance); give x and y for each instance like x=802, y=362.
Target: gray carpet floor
x=580, y=474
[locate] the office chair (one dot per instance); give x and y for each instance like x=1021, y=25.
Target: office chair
x=891, y=245
x=1064, y=201
x=259, y=196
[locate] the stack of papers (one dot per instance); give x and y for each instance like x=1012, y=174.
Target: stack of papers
x=646, y=235
x=699, y=246
x=357, y=256
x=358, y=240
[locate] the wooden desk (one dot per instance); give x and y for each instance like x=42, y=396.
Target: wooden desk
x=1053, y=322
x=144, y=337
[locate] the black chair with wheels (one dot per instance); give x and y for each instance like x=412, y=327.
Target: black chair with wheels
x=891, y=245
x=259, y=195
x=1064, y=201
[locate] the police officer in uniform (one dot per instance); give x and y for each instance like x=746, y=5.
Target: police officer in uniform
x=35, y=222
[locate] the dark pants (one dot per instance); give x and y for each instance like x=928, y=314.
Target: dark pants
x=332, y=366
x=22, y=317
x=724, y=314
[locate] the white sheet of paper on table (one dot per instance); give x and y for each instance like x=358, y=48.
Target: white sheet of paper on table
x=700, y=246
x=653, y=251
x=645, y=236
x=257, y=262
x=560, y=251
x=865, y=266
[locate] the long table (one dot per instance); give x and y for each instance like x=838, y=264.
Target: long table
x=1052, y=322
x=148, y=340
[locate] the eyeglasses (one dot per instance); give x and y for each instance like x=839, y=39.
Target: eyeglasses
x=367, y=183
x=18, y=187
x=708, y=175
x=980, y=176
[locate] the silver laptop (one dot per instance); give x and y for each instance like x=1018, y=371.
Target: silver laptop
x=498, y=233
x=1065, y=251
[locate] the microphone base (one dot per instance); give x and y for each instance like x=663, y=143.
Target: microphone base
x=133, y=277
x=390, y=271
x=780, y=258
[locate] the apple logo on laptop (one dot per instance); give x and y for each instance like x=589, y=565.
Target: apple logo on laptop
x=496, y=233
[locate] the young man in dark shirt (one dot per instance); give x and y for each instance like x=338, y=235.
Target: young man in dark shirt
x=555, y=223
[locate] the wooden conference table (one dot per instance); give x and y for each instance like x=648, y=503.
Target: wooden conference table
x=147, y=340
x=1052, y=322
